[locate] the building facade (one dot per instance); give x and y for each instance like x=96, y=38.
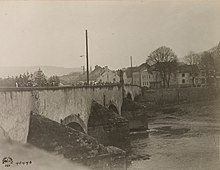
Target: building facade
x=185, y=76
x=138, y=75
x=108, y=76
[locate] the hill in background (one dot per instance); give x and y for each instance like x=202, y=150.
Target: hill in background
x=74, y=77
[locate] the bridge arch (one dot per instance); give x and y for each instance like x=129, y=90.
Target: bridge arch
x=129, y=96
x=113, y=108
x=75, y=122
x=104, y=124
x=132, y=91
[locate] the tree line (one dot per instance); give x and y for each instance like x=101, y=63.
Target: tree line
x=38, y=79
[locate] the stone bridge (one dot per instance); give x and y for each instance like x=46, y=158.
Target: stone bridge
x=66, y=105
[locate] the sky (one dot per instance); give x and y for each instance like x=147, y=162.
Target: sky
x=53, y=32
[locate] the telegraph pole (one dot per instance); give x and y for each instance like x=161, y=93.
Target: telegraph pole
x=87, y=58
x=131, y=71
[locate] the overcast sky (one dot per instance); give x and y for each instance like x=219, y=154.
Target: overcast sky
x=53, y=33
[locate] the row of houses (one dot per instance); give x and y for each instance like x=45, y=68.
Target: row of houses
x=147, y=76
x=185, y=76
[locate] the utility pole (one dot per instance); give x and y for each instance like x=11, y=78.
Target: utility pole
x=131, y=71
x=87, y=58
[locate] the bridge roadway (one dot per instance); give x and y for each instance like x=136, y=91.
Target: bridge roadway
x=61, y=104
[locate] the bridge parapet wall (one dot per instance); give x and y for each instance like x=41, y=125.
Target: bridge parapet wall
x=55, y=103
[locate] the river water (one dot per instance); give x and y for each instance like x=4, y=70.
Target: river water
x=178, y=143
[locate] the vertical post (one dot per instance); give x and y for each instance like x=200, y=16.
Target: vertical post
x=122, y=83
x=131, y=70
x=87, y=58
x=104, y=100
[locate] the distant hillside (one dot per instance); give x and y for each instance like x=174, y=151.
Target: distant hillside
x=48, y=70
x=74, y=77
x=215, y=52
x=69, y=78
x=92, y=75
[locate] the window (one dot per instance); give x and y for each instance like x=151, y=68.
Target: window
x=143, y=76
x=183, y=75
x=183, y=81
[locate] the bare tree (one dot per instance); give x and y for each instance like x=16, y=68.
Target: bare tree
x=165, y=61
x=208, y=65
x=192, y=58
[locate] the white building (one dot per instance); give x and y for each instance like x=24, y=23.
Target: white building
x=108, y=76
x=141, y=75
x=187, y=76
x=146, y=78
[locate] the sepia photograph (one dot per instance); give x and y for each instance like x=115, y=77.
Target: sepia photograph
x=110, y=85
